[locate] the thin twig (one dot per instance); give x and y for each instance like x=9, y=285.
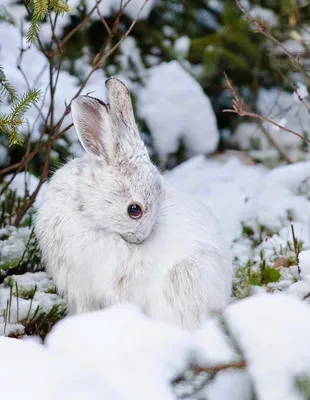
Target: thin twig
x=301, y=99
x=260, y=28
x=238, y=108
x=78, y=27
x=104, y=22
x=217, y=368
x=196, y=370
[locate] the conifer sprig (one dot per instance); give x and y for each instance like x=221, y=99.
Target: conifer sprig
x=40, y=10
x=11, y=122
x=6, y=89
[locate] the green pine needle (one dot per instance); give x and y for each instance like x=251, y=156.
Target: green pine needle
x=40, y=10
x=33, y=31
x=59, y=7
x=10, y=123
x=6, y=89
x=24, y=103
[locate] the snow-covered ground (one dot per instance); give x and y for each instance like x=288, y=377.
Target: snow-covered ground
x=256, y=209
x=119, y=353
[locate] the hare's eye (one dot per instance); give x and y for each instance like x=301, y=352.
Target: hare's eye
x=134, y=211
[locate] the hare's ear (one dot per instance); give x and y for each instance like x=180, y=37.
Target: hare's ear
x=121, y=109
x=93, y=126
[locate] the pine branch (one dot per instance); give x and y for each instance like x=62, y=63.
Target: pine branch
x=9, y=123
x=10, y=127
x=33, y=31
x=24, y=103
x=59, y=7
x=6, y=89
x=40, y=10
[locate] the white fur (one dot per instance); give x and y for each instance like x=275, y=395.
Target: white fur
x=173, y=262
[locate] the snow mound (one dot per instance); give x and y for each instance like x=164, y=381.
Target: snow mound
x=223, y=187
x=32, y=372
x=272, y=333
x=304, y=264
x=135, y=354
x=175, y=107
x=281, y=195
x=118, y=353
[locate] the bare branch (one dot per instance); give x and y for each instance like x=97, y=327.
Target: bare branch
x=78, y=27
x=240, y=109
x=260, y=28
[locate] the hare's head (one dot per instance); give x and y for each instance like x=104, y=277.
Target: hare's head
x=121, y=189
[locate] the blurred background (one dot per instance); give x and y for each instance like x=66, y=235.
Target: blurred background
x=173, y=61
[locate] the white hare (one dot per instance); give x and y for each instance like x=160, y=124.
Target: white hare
x=111, y=230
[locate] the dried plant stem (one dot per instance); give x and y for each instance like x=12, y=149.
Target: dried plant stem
x=214, y=369
x=239, y=108
x=295, y=242
x=221, y=367
x=260, y=28
x=243, y=113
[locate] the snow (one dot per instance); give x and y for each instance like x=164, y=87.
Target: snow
x=137, y=356
x=182, y=45
x=277, y=104
x=273, y=333
x=302, y=92
x=304, y=263
x=28, y=295
x=133, y=8
x=3, y=154
x=25, y=183
x=14, y=246
x=265, y=15
x=277, y=325
x=281, y=195
x=32, y=372
x=282, y=108
x=119, y=353
x=175, y=107
x=297, y=43
x=211, y=181
x=233, y=386
x=260, y=199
